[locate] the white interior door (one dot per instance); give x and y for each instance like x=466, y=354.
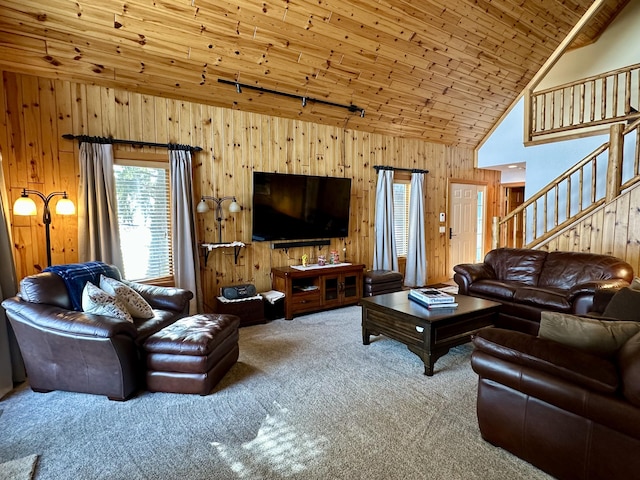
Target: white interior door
x=466, y=223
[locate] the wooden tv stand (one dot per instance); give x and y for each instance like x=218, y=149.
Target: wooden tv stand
x=318, y=288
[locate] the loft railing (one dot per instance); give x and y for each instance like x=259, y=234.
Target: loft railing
x=598, y=100
x=596, y=179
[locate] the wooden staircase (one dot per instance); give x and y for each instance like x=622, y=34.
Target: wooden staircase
x=597, y=198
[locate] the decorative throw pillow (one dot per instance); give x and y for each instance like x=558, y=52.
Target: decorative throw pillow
x=601, y=337
x=132, y=300
x=624, y=305
x=635, y=284
x=99, y=302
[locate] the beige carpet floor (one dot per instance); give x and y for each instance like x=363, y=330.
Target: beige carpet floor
x=305, y=401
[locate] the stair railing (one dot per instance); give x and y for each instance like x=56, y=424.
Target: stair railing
x=572, y=195
x=597, y=100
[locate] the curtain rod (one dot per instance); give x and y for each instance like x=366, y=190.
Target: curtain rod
x=105, y=140
x=412, y=170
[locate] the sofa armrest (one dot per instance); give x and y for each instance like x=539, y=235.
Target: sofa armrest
x=590, y=371
x=68, y=322
x=467, y=273
x=590, y=288
x=164, y=298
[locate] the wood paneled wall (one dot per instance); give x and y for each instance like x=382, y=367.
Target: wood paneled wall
x=38, y=111
x=612, y=229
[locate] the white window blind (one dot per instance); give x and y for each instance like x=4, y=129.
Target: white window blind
x=144, y=217
x=401, y=195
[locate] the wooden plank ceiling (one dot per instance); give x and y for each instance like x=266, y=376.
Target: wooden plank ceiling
x=440, y=70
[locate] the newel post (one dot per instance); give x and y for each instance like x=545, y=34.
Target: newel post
x=614, y=169
x=495, y=232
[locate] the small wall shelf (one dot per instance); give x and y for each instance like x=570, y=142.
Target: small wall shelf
x=208, y=247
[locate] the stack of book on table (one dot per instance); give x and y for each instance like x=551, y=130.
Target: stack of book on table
x=432, y=298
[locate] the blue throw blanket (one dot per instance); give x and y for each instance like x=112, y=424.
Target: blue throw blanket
x=76, y=276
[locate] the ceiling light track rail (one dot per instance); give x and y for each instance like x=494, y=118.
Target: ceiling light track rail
x=136, y=143
x=303, y=98
x=412, y=170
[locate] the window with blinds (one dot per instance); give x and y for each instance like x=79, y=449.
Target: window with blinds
x=401, y=195
x=144, y=217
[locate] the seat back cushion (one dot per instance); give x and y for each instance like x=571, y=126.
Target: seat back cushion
x=568, y=269
x=517, y=264
x=76, y=276
x=47, y=288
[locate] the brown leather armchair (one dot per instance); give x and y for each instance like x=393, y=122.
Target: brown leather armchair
x=70, y=350
x=572, y=414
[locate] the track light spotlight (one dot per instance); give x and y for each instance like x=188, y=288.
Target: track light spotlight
x=304, y=101
x=238, y=88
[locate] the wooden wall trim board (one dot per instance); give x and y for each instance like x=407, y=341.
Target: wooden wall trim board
x=37, y=111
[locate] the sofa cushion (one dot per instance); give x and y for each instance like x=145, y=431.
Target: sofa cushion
x=624, y=305
x=493, y=288
x=567, y=269
x=45, y=287
x=543, y=298
x=601, y=337
x=517, y=265
x=76, y=275
x=132, y=300
x=99, y=302
x=629, y=365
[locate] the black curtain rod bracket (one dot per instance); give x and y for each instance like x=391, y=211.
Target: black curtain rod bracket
x=107, y=140
x=412, y=170
x=239, y=86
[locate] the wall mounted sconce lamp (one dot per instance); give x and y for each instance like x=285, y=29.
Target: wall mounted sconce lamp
x=25, y=206
x=203, y=207
x=305, y=99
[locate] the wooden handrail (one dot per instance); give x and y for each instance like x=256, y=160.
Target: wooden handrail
x=590, y=102
x=564, y=184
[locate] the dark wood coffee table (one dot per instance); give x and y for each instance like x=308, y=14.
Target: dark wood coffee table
x=427, y=333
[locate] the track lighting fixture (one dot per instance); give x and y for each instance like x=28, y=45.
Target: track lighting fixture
x=303, y=98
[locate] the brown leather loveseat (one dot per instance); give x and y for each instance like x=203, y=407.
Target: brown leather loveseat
x=527, y=282
x=567, y=409
x=66, y=349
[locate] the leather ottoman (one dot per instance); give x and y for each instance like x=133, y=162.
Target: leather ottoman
x=377, y=282
x=192, y=354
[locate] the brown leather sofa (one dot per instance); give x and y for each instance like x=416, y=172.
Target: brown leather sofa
x=527, y=282
x=573, y=414
x=70, y=350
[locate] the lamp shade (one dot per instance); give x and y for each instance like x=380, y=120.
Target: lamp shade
x=65, y=207
x=202, y=207
x=234, y=207
x=24, y=206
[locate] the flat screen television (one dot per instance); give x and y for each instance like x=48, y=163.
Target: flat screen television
x=299, y=207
